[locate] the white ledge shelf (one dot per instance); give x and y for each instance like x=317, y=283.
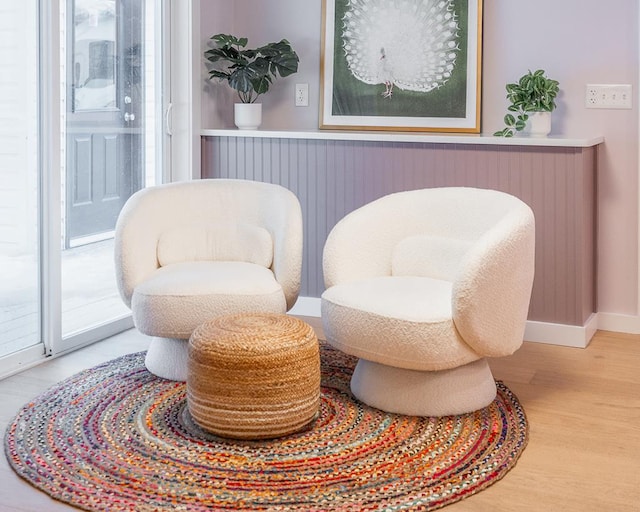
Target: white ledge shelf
x=425, y=138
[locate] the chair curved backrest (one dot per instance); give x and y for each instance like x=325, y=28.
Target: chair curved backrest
x=210, y=219
x=482, y=241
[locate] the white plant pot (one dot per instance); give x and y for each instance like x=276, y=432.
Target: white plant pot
x=247, y=116
x=539, y=124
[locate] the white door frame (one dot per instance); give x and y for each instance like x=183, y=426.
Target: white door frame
x=185, y=91
x=50, y=156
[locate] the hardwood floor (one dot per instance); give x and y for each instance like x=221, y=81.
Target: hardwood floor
x=583, y=407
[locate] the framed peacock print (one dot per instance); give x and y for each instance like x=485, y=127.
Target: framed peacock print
x=403, y=65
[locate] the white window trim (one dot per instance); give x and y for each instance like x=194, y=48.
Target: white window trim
x=185, y=91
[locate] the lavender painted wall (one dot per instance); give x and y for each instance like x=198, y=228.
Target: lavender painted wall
x=577, y=42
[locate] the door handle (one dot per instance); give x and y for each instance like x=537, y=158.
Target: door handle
x=168, y=120
x=129, y=117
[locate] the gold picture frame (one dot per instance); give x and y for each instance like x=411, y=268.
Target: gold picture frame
x=413, y=65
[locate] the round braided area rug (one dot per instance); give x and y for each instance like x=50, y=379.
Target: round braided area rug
x=117, y=438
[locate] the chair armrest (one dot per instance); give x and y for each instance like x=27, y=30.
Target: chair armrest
x=491, y=293
x=136, y=241
x=283, y=219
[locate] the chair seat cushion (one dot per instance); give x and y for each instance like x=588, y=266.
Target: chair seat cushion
x=177, y=298
x=388, y=320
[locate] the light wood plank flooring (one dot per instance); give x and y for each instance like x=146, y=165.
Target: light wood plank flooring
x=583, y=406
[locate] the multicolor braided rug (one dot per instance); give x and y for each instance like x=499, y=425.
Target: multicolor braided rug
x=116, y=438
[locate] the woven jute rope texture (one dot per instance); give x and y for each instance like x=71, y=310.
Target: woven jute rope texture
x=253, y=376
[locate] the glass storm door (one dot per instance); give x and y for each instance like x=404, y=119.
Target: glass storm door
x=82, y=93
x=112, y=63
x=105, y=114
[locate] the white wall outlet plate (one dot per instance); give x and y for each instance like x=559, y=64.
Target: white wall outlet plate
x=302, y=95
x=613, y=96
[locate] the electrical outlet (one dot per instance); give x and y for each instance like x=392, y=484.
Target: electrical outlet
x=613, y=96
x=302, y=95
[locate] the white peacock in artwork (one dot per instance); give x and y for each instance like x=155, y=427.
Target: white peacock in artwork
x=409, y=44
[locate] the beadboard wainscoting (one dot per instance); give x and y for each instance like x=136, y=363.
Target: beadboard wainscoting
x=333, y=174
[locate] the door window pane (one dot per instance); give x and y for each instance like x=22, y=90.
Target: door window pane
x=94, y=55
x=19, y=178
x=109, y=145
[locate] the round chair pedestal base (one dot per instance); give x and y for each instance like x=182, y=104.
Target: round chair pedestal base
x=420, y=393
x=167, y=358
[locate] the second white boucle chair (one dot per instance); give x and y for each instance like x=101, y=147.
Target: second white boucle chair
x=423, y=286
x=187, y=252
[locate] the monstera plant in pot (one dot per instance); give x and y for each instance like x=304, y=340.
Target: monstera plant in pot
x=532, y=101
x=250, y=72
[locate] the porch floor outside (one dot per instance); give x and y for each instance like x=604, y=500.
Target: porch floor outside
x=89, y=294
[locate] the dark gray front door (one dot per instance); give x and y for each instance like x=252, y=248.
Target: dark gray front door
x=105, y=114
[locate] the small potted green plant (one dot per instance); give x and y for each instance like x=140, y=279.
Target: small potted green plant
x=250, y=72
x=532, y=101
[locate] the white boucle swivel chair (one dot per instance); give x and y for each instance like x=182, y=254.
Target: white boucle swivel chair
x=423, y=286
x=187, y=252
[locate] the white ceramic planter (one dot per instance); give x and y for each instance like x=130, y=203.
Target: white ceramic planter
x=539, y=124
x=247, y=116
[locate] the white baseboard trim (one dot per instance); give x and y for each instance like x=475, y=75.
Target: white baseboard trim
x=561, y=334
x=306, y=306
x=619, y=323
x=538, y=332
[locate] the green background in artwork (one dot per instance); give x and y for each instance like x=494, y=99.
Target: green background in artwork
x=351, y=97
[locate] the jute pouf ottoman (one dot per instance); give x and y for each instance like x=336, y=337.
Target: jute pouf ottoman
x=253, y=376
